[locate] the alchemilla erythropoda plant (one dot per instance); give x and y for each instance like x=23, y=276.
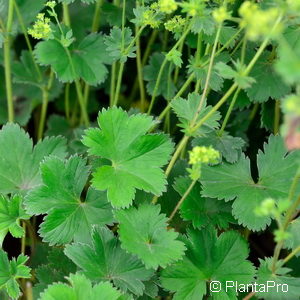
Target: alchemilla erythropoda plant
x=150, y=149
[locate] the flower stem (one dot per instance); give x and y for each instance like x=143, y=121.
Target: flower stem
x=182, y=200
x=7, y=62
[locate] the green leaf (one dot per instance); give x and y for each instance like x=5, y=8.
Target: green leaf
x=105, y=260
x=204, y=23
x=114, y=47
x=12, y=270
x=226, y=181
x=208, y=258
x=265, y=277
x=68, y=216
x=226, y=34
x=19, y=164
x=86, y=58
x=230, y=147
x=55, y=269
x=150, y=75
x=11, y=212
x=288, y=64
x=294, y=240
x=202, y=211
x=268, y=84
x=186, y=109
x=81, y=289
x=143, y=231
x=136, y=157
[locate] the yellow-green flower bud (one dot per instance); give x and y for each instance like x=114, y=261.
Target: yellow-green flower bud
x=41, y=28
x=176, y=24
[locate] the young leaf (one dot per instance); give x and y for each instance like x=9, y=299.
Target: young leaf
x=276, y=170
x=68, y=216
x=11, y=212
x=185, y=111
x=202, y=211
x=86, y=58
x=19, y=163
x=113, y=44
x=136, y=157
x=12, y=270
x=81, y=288
x=150, y=75
x=265, y=277
x=230, y=147
x=209, y=258
x=105, y=260
x=143, y=232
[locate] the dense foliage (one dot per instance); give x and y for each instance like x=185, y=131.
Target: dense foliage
x=150, y=149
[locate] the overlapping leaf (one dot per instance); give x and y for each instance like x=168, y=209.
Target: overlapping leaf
x=186, y=109
x=81, y=289
x=104, y=260
x=276, y=170
x=209, y=258
x=68, y=216
x=11, y=271
x=11, y=212
x=143, y=231
x=202, y=211
x=136, y=157
x=151, y=72
x=230, y=147
x=19, y=163
x=281, y=280
x=87, y=59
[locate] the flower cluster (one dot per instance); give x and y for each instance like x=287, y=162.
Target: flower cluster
x=221, y=14
x=167, y=6
x=51, y=4
x=257, y=22
x=175, y=25
x=291, y=105
x=201, y=155
x=41, y=28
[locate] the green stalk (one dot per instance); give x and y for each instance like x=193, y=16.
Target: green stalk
x=112, y=84
x=121, y=69
x=67, y=100
x=292, y=254
x=66, y=15
x=140, y=68
x=45, y=92
x=7, y=62
x=229, y=111
x=277, y=117
x=204, y=93
x=184, y=196
x=29, y=46
x=96, y=18
x=160, y=73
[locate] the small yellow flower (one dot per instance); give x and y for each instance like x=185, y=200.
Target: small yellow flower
x=41, y=28
x=256, y=21
x=51, y=4
x=149, y=18
x=167, y=6
x=221, y=14
x=176, y=24
x=201, y=154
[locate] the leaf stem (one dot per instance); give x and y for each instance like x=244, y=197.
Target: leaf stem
x=182, y=200
x=45, y=92
x=229, y=111
x=276, y=117
x=163, y=65
x=7, y=62
x=66, y=15
x=96, y=18
x=292, y=254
